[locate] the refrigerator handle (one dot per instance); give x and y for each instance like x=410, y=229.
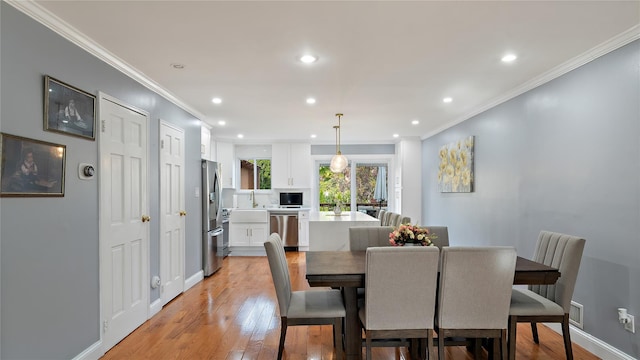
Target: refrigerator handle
x=217, y=232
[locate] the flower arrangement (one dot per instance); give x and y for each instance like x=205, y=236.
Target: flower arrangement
x=407, y=233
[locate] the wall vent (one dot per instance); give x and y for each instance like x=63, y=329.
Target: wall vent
x=576, y=314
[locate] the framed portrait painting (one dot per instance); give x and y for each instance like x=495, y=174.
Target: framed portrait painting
x=68, y=110
x=31, y=167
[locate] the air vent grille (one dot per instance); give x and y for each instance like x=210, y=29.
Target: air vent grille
x=576, y=314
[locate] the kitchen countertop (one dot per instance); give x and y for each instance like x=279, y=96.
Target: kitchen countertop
x=346, y=216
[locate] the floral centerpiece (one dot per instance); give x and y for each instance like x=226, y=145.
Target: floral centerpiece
x=407, y=233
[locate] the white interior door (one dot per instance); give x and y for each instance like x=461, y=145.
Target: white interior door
x=172, y=223
x=124, y=220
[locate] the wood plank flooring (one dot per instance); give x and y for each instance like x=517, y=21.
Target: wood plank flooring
x=233, y=315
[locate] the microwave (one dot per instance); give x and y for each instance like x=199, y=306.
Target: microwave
x=291, y=199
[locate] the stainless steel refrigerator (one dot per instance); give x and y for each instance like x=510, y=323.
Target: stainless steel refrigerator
x=212, y=232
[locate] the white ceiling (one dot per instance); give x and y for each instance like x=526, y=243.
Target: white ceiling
x=381, y=63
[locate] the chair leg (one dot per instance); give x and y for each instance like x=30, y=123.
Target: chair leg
x=368, y=345
x=413, y=348
x=430, y=345
x=503, y=345
x=513, y=327
x=477, y=348
x=534, y=332
x=440, y=345
x=337, y=338
x=567, y=337
x=283, y=334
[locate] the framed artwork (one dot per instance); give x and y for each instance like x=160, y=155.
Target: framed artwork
x=455, y=172
x=68, y=110
x=31, y=167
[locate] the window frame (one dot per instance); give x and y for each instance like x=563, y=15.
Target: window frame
x=239, y=161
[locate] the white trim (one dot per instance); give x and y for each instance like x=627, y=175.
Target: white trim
x=592, y=344
x=155, y=307
x=193, y=280
x=608, y=46
x=59, y=26
x=93, y=352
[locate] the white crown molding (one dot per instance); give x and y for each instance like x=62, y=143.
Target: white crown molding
x=59, y=26
x=608, y=46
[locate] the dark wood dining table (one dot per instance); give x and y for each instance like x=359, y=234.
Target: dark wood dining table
x=346, y=269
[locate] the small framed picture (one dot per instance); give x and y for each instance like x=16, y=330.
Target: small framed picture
x=68, y=110
x=31, y=167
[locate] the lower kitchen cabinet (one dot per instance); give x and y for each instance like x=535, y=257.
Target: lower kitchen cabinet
x=246, y=234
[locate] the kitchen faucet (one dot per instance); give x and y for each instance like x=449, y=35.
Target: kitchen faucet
x=253, y=199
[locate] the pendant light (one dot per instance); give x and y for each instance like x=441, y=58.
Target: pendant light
x=339, y=162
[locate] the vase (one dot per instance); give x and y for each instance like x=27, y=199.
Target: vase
x=337, y=210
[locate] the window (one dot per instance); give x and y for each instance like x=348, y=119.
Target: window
x=255, y=174
x=370, y=187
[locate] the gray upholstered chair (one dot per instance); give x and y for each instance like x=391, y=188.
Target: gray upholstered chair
x=393, y=219
x=474, y=294
x=306, y=307
x=548, y=303
x=363, y=237
x=381, y=215
x=384, y=221
x=400, y=304
x=404, y=220
x=442, y=233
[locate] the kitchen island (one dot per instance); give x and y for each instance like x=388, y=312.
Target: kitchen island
x=330, y=232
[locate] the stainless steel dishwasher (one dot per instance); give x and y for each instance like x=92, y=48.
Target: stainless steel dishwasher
x=286, y=225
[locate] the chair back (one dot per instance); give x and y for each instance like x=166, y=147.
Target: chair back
x=442, y=233
x=363, y=237
x=394, y=219
x=563, y=252
x=384, y=221
x=401, y=285
x=404, y=220
x=381, y=215
x=279, y=271
x=475, y=287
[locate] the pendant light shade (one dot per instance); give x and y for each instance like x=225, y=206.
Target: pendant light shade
x=339, y=162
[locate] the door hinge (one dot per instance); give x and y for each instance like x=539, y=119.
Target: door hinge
x=105, y=326
x=161, y=144
x=103, y=125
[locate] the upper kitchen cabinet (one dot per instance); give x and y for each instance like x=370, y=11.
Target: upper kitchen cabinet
x=291, y=166
x=226, y=157
x=205, y=144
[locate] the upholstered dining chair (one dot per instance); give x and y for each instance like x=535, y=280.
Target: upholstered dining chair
x=442, y=233
x=305, y=307
x=381, y=215
x=393, y=219
x=548, y=303
x=363, y=237
x=404, y=220
x=385, y=219
x=474, y=294
x=400, y=300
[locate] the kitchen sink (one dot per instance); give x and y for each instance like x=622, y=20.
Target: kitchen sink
x=249, y=216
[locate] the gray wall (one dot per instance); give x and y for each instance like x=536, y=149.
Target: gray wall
x=49, y=246
x=563, y=157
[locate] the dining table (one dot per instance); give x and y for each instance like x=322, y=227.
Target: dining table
x=346, y=270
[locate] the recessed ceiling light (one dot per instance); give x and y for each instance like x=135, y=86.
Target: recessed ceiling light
x=313, y=136
x=415, y=122
x=308, y=59
x=177, y=66
x=396, y=135
x=311, y=101
x=509, y=58
x=222, y=123
x=447, y=100
x=240, y=136
x=216, y=100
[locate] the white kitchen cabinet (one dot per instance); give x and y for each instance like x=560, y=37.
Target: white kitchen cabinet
x=226, y=157
x=247, y=234
x=205, y=143
x=303, y=230
x=291, y=166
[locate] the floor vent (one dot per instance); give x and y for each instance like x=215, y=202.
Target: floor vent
x=576, y=314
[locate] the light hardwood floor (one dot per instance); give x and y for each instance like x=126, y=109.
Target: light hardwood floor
x=233, y=315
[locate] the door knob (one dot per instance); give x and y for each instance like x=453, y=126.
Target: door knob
x=183, y=213
x=146, y=218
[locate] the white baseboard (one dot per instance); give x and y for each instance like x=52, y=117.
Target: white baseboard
x=194, y=279
x=592, y=344
x=93, y=352
x=155, y=308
